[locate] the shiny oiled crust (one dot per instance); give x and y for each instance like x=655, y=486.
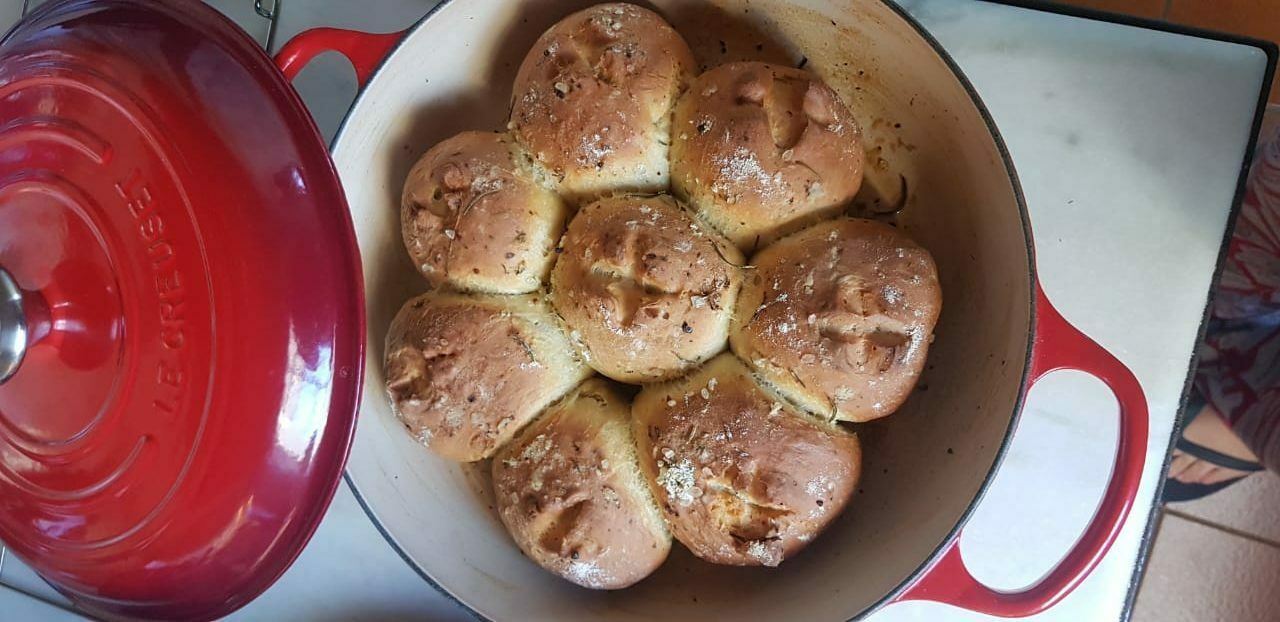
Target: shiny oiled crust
x=763, y=150
x=742, y=477
x=474, y=220
x=839, y=317
x=569, y=492
x=465, y=373
x=646, y=291
x=592, y=100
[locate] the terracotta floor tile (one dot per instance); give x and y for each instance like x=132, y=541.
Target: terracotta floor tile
x=1255, y=18
x=1249, y=506
x=1197, y=573
x=1141, y=8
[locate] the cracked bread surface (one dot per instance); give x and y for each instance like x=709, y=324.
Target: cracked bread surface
x=646, y=290
x=465, y=373
x=570, y=493
x=740, y=451
x=743, y=478
x=762, y=150
x=474, y=220
x=592, y=100
x=838, y=318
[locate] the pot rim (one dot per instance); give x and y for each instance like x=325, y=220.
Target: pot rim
x=1023, y=383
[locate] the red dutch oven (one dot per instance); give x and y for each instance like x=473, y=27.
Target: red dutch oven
x=184, y=292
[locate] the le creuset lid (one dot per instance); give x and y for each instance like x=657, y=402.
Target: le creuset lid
x=181, y=314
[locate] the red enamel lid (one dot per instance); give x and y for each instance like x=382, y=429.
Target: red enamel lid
x=180, y=307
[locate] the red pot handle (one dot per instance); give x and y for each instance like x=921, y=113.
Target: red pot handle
x=364, y=50
x=1058, y=345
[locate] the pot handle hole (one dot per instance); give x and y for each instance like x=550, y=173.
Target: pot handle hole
x=1058, y=345
x=365, y=51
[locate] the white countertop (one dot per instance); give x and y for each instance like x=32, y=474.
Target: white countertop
x=1128, y=143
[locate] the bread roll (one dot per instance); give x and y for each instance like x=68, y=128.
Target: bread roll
x=742, y=477
x=471, y=219
x=465, y=373
x=645, y=290
x=592, y=100
x=763, y=150
x=570, y=493
x=839, y=317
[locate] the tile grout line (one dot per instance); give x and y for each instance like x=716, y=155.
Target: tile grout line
x=1223, y=528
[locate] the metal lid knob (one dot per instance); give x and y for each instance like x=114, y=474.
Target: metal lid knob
x=13, y=327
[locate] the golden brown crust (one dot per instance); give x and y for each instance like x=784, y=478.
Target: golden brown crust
x=473, y=220
x=718, y=449
x=592, y=101
x=742, y=478
x=839, y=317
x=763, y=150
x=465, y=373
x=646, y=291
x=569, y=492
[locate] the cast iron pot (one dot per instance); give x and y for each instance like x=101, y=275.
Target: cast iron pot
x=926, y=467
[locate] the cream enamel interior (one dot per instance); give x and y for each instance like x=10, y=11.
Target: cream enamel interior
x=925, y=466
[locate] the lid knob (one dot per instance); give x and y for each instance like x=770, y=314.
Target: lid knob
x=13, y=327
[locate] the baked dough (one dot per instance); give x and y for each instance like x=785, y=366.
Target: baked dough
x=743, y=478
x=592, y=100
x=646, y=291
x=762, y=150
x=839, y=317
x=570, y=493
x=465, y=373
